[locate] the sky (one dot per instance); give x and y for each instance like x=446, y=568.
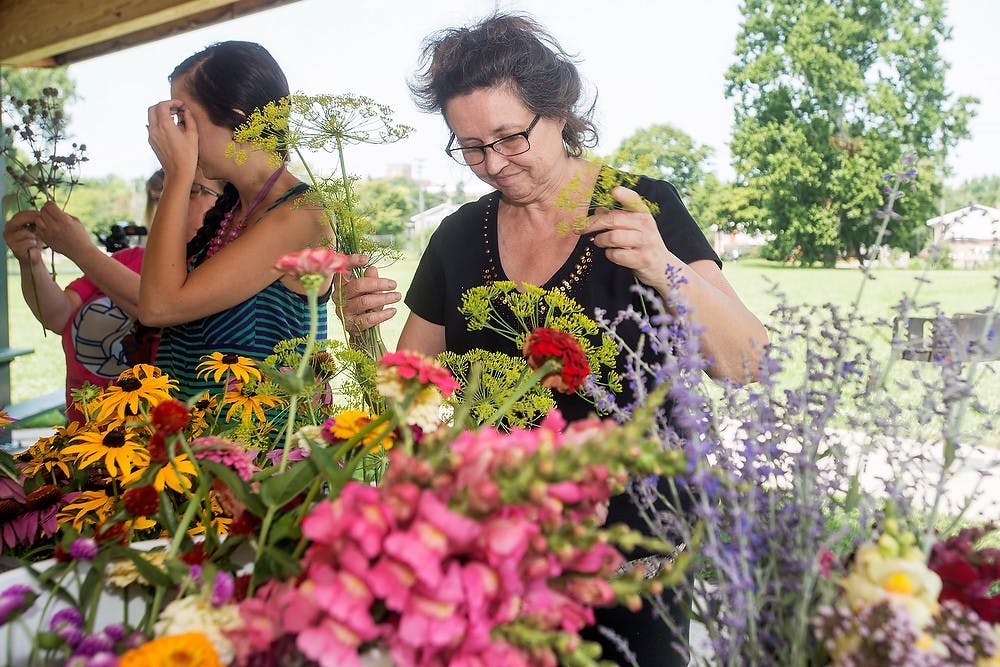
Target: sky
x=659, y=61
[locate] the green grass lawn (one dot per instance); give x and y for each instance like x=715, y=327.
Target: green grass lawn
x=755, y=281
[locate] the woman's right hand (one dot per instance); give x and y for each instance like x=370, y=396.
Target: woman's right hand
x=361, y=301
x=19, y=233
x=175, y=143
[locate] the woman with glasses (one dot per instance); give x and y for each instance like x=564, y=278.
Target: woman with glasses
x=95, y=314
x=219, y=292
x=513, y=102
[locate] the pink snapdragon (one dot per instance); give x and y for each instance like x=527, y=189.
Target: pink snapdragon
x=432, y=561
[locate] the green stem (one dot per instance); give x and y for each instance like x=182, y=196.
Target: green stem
x=522, y=388
x=300, y=373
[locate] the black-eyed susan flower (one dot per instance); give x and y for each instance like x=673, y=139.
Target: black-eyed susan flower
x=203, y=410
x=118, y=448
x=176, y=474
x=247, y=402
x=217, y=365
x=87, y=508
x=140, y=386
x=44, y=459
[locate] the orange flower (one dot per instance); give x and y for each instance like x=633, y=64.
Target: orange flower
x=349, y=423
x=191, y=649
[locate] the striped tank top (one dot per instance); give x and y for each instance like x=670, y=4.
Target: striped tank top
x=251, y=329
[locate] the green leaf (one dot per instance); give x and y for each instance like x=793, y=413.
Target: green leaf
x=236, y=485
x=152, y=574
x=278, y=490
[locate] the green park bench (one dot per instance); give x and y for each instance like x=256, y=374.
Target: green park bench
x=959, y=338
x=28, y=408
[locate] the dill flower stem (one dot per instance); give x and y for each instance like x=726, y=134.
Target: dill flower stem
x=527, y=382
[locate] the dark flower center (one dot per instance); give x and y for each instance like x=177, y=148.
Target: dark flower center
x=10, y=509
x=114, y=439
x=43, y=497
x=129, y=384
x=230, y=359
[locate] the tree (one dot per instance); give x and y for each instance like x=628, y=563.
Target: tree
x=829, y=97
x=729, y=207
x=663, y=151
x=984, y=191
x=27, y=83
x=99, y=203
x=390, y=202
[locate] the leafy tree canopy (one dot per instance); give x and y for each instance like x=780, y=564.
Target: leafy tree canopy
x=984, y=191
x=663, y=151
x=829, y=95
x=390, y=202
x=27, y=82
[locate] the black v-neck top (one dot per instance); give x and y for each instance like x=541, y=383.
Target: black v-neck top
x=464, y=253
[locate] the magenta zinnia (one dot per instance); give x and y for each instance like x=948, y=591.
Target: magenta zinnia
x=312, y=262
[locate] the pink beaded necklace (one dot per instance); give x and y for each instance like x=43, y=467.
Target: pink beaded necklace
x=229, y=231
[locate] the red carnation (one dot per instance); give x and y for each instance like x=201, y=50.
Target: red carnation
x=141, y=501
x=244, y=523
x=196, y=555
x=545, y=343
x=170, y=416
x=968, y=574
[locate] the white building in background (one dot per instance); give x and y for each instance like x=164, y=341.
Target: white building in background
x=972, y=234
x=424, y=223
x=731, y=245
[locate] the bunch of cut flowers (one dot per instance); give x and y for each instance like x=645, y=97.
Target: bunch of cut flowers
x=248, y=528
x=843, y=503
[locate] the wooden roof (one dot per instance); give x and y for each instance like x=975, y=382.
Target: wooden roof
x=45, y=33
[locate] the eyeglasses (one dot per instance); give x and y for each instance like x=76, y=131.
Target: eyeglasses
x=197, y=189
x=508, y=146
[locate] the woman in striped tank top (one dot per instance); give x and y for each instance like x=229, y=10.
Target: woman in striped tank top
x=220, y=292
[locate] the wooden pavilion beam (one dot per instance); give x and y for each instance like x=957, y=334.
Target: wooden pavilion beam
x=45, y=33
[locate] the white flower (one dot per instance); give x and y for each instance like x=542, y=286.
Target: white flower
x=425, y=410
x=196, y=614
x=122, y=573
x=307, y=436
x=905, y=581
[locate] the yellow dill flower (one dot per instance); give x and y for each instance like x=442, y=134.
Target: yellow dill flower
x=249, y=404
x=88, y=508
x=141, y=385
x=242, y=368
x=119, y=449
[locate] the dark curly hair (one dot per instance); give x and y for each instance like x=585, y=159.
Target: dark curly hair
x=222, y=78
x=507, y=50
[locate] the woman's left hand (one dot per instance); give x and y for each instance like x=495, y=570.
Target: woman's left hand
x=631, y=238
x=175, y=143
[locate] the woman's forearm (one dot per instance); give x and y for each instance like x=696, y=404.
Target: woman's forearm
x=48, y=302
